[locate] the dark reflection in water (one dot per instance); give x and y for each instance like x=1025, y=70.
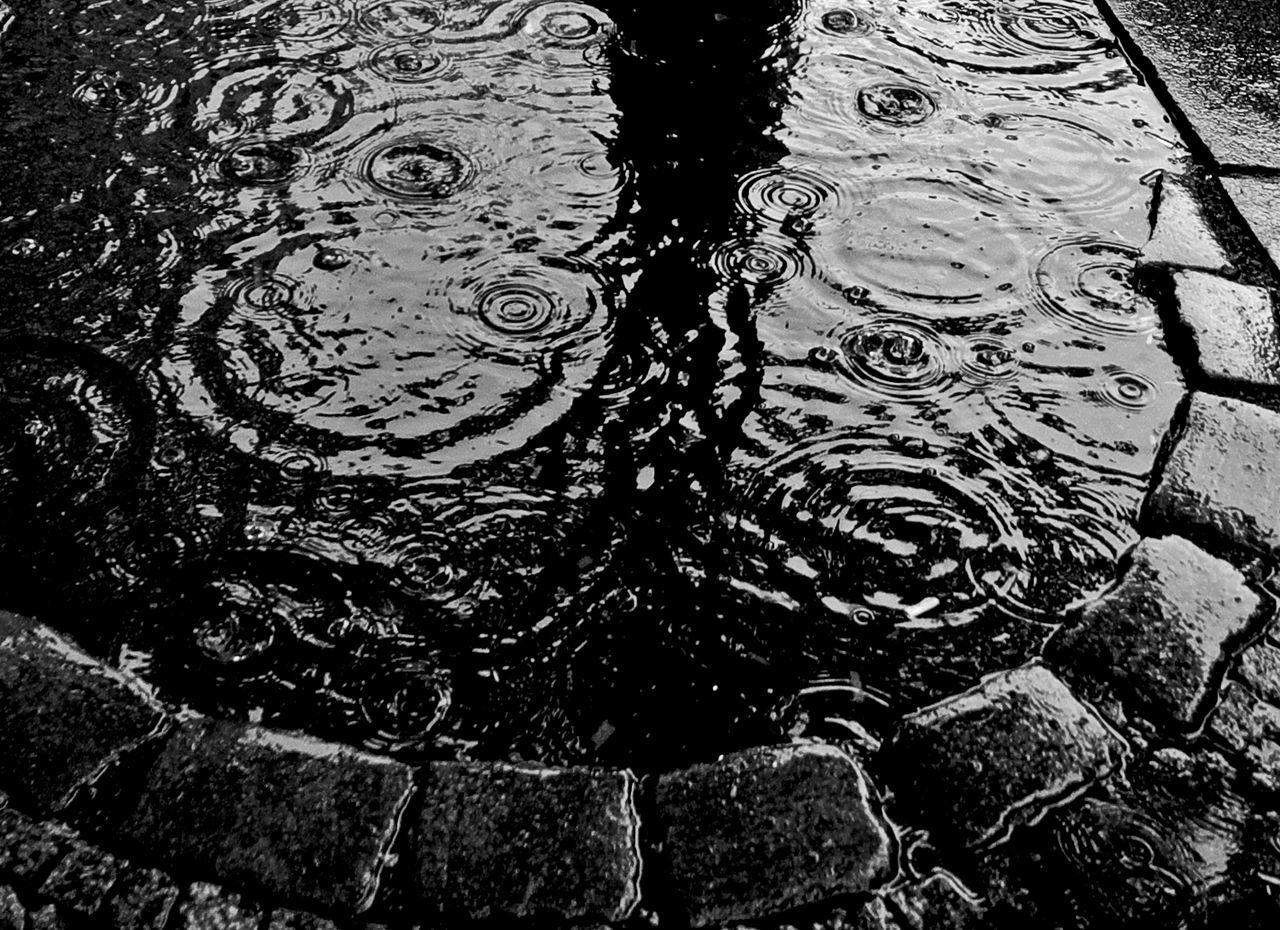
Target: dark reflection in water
x=545, y=379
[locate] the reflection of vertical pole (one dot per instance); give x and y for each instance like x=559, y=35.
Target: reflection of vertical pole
x=699, y=90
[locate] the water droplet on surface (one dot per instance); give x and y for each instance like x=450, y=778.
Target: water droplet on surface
x=1086, y=284
x=896, y=104
x=328, y=258
x=845, y=23
x=262, y=163
x=782, y=194
x=409, y=62
x=418, y=169
x=404, y=704
x=399, y=18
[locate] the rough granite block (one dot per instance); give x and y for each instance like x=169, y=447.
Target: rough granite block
x=1223, y=475
x=209, y=907
x=1259, y=668
x=29, y=849
x=47, y=918
x=938, y=902
x=81, y=882
x=66, y=716
x=285, y=919
x=1234, y=327
x=517, y=840
x=768, y=829
x=1165, y=633
x=12, y=913
x=142, y=899
x=299, y=819
x=1181, y=237
x=1258, y=200
x=1244, y=722
x=976, y=765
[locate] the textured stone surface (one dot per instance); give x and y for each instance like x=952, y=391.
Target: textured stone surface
x=936, y=903
x=1258, y=200
x=46, y=918
x=1219, y=63
x=292, y=817
x=28, y=849
x=1250, y=727
x=209, y=907
x=1181, y=238
x=1165, y=633
x=285, y=919
x=65, y=715
x=12, y=913
x=142, y=899
x=1259, y=668
x=81, y=882
x=1223, y=476
x=977, y=764
x=766, y=830
x=495, y=839
x=1234, y=327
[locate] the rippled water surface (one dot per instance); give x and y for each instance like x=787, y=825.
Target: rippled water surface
x=581, y=383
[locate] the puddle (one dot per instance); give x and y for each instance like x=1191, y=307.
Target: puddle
x=540, y=380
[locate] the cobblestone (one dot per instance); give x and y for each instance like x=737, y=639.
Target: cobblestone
x=977, y=764
x=29, y=850
x=66, y=715
x=293, y=817
x=46, y=918
x=1259, y=668
x=1165, y=632
x=1258, y=200
x=143, y=899
x=210, y=907
x=82, y=881
x=938, y=902
x=1223, y=476
x=766, y=830
x=1181, y=237
x=521, y=840
x=286, y=919
x=12, y=913
x=1234, y=327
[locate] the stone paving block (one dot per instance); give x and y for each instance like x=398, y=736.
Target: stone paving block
x=977, y=764
x=81, y=882
x=938, y=902
x=1181, y=237
x=47, y=918
x=1223, y=475
x=12, y=913
x=1165, y=633
x=1234, y=327
x=1259, y=668
x=66, y=716
x=142, y=899
x=285, y=919
x=289, y=816
x=519, y=840
x=1258, y=200
x=210, y=907
x=1218, y=62
x=28, y=849
x=768, y=829
x=1250, y=727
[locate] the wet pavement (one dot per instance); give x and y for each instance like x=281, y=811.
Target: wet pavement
x=444, y=378
x=1219, y=65
x=502, y=386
